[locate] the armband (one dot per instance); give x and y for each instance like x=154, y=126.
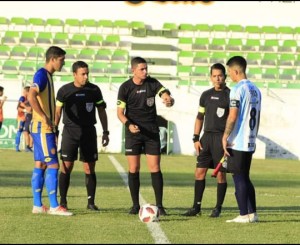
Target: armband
x=106, y=132
x=164, y=91
x=128, y=122
x=196, y=138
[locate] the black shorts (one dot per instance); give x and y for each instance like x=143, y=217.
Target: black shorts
x=212, y=151
x=239, y=161
x=27, y=122
x=84, y=138
x=147, y=143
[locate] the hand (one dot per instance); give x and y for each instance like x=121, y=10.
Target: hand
x=198, y=147
x=105, y=139
x=134, y=128
x=169, y=101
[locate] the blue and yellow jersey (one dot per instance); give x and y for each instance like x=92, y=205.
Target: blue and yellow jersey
x=42, y=80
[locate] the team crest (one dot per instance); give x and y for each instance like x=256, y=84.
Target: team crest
x=150, y=101
x=89, y=106
x=220, y=112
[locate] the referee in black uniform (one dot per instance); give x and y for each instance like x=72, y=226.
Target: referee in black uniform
x=137, y=110
x=214, y=108
x=79, y=100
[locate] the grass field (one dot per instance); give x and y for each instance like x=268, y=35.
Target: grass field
x=277, y=189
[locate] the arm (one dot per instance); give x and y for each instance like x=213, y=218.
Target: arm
x=232, y=117
x=132, y=127
x=2, y=101
x=103, y=119
x=168, y=100
x=32, y=97
x=197, y=130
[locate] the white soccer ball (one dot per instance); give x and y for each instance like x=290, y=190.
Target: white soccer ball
x=149, y=213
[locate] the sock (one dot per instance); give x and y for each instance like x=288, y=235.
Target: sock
x=18, y=139
x=134, y=187
x=157, y=184
x=37, y=183
x=221, y=191
x=64, y=183
x=241, y=192
x=51, y=185
x=91, y=182
x=198, y=193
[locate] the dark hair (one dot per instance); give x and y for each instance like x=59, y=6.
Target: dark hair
x=1, y=89
x=54, y=52
x=27, y=88
x=79, y=64
x=238, y=61
x=218, y=66
x=137, y=60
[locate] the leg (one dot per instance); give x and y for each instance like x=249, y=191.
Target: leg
x=134, y=181
x=64, y=181
x=221, y=191
x=18, y=135
x=91, y=183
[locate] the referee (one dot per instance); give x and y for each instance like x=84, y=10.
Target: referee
x=212, y=114
x=79, y=100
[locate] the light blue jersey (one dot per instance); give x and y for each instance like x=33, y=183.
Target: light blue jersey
x=247, y=98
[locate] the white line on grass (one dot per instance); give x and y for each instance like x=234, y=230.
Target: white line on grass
x=154, y=227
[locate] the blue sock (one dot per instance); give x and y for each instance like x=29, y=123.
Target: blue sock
x=51, y=185
x=18, y=138
x=37, y=183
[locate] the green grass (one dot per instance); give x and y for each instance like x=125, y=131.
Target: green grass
x=277, y=192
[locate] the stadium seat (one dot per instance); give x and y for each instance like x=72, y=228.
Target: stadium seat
x=105, y=26
x=118, y=68
x=27, y=38
x=36, y=24
x=288, y=45
x=185, y=57
x=44, y=38
x=201, y=58
x=120, y=55
x=18, y=24
x=234, y=44
x=61, y=39
x=54, y=25
x=87, y=55
x=269, y=32
x=78, y=40
x=186, y=30
x=5, y=52
x=170, y=29
x=200, y=43
x=288, y=74
x=297, y=60
x=138, y=29
x=36, y=53
x=18, y=53
x=269, y=45
x=275, y=85
x=101, y=79
x=122, y=27
x=218, y=31
x=217, y=44
x=271, y=73
x=286, y=60
x=285, y=32
x=72, y=25
x=111, y=41
x=67, y=68
x=185, y=43
x=254, y=73
x=218, y=57
x=27, y=67
x=293, y=85
x=10, y=67
x=253, y=59
x=235, y=31
x=202, y=30
x=251, y=45
x=67, y=78
x=94, y=40
x=103, y=55
x=201, y=72
x=184, y=71
x=71, y=54
x=11, y=38
x=4, y=23
x=89, y=26
x=118, y=79
x=269, y=59
x=98, y=68
x=253, y=32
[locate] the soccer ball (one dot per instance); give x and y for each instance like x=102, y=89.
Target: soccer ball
x=149, y=213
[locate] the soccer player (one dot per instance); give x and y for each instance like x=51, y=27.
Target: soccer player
x=1, y=105
x=79, y=101
x=212, y=114
x=27, y=134
x=240, y=136
x=42, y=100
x=136, y=109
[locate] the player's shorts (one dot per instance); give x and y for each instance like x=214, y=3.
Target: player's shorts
x=147, y=143
x=84, y=138
x=239, y=161
x=212, y=151
x=27, y=122
x=21, y=125
x=44, y=143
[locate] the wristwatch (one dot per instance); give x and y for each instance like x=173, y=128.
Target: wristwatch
x=106, y=132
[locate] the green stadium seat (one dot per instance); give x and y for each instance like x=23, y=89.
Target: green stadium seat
x=4, y=23
x=286, y=60
x=78, y=40
x=72, y=25
x=219, y=31
x=185, y=43
x=120, y=55
x=54, y=25
x=105, y=27
x=4, y=52
x=18, y=53
x=118, y=68
x=98, y=68
x=36, y=24
x=271, y=73
x=67, y=68
x=275, y=85
x=184, y=71
x=297, y=60
x=101, y=79
x=254, y=73
x=89, y=26
x=184, y=82
x=138, y=29
x=201, y=58
x=234, y=44
x=186, y=30
x=170, y=29
x=36, y=53
x=269, y=32
x=94, y=40
x=200, y=43
x=11, y=38
x=235, y=31
x=254, y=59
x=201, y=72
x=269, y=59
x=218, y=57
x=253, y=32
x=270, y=45
x=18, y=24
x=103, y=55
x=27, y=38
x=10, y=67
x=202, y=30
x=118, y=79
x=72, y=53
x=122, y=27
x=44, y=38
x=288, y=74
x=288, y=45
x=185, y=57
x=61, y=39
x=112, y=41
x=251, y=45
x=285, y=32
x=67, y=78
x=293, y=85
x=27, y=67
x=87, y=55
x=217, y=44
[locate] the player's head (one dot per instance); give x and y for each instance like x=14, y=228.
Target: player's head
x=218, y=75
x=26, y=90
x=81, y=73
x=55, y=58
x=237, y=68
x=1, y=90
x=139, y=68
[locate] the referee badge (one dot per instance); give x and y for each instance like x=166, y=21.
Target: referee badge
x=220, y=112
x=150, y=101
x=89, y=106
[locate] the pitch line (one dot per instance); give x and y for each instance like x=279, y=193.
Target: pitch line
x=154, y=228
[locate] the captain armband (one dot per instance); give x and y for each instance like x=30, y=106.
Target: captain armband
x=196, y=138
x=164, y=91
